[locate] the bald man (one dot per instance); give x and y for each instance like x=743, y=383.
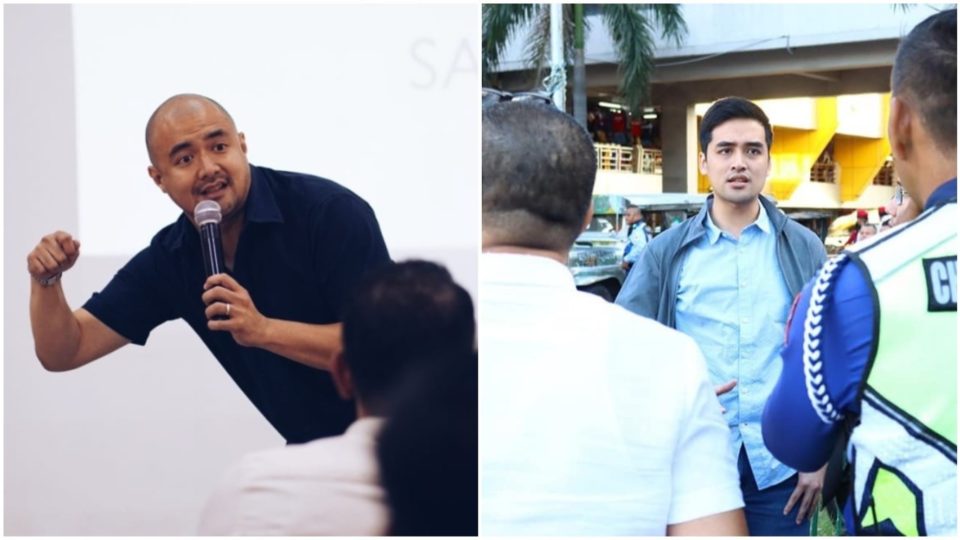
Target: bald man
x=294, y=246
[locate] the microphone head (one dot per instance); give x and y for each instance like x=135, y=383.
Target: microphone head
x=206, y=212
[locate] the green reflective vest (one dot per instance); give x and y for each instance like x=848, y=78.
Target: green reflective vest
x=904, y=449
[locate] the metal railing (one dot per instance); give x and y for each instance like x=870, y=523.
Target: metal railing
x=613, y=157
x=825, y=171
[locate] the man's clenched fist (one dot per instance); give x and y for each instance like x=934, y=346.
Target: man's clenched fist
x=55, y=254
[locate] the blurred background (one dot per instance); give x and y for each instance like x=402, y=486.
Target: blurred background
x=639, y=77
x=381, y=99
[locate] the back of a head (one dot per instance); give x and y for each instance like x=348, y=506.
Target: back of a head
x=539, y=168
x=427, y=452
x=732, y=108
x=401, y=315
x=925, y=72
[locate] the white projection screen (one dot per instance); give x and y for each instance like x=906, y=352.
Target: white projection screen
x=381, y=98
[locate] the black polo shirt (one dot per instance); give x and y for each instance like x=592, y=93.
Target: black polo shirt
x=306, y=242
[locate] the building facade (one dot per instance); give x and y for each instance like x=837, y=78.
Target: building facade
x=820, y=71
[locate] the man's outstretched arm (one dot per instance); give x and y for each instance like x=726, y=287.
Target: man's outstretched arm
x=63, y=339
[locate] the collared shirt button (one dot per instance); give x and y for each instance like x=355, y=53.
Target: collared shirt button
x=744, y=390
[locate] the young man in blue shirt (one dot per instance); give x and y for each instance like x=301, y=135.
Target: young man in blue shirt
x=726, y=277
x=869, y=376
x=294, y=247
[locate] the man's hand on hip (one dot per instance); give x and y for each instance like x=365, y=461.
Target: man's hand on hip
x=806, y=493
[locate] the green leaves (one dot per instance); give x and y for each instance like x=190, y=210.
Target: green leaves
x=631, y=27
x=500, y=22
x=631, y=34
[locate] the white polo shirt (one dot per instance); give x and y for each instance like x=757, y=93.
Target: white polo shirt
x=593, y=420
x=329, y=486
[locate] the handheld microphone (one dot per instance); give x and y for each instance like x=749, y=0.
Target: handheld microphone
x=207, y=215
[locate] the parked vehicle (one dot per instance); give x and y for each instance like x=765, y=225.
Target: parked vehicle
x=597, y=255
x=595, y=260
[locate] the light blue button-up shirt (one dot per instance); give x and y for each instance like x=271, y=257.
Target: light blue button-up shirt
x=733, y=301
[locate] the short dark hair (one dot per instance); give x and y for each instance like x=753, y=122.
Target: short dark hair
x=427, y=452
x=400, y=315
x=925, y=69
x=539, y=167
x=732, y=108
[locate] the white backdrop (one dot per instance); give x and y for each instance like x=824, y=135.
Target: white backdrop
x=382, y=99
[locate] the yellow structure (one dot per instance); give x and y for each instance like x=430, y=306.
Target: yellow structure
x=860, y=158
x=796, y=150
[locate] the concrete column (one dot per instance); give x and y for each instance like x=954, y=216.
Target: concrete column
x=678, y=133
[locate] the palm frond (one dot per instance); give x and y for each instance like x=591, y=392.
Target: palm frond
x=537, y=48
x=538, y=44
x=632, y=36
x=500, y=22
x=670, y=19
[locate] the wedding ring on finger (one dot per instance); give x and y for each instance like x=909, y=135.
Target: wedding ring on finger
x=228, y=311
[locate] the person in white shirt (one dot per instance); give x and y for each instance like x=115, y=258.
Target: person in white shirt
x=581, y=432
x=404, y=317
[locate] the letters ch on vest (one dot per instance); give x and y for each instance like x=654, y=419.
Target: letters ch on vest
x=941, y=275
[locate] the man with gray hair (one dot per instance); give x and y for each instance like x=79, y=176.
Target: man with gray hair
x=581, y=433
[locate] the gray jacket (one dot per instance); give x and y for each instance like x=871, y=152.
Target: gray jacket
x=651, y=286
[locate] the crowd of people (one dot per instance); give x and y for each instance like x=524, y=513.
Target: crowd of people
x=741, y=379
x=616, y=126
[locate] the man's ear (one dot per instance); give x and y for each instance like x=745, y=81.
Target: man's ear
x=702, y=161
x=155, y=175
x=342, y=379
x=589, y=217
x=243, y=142
x=899, y=128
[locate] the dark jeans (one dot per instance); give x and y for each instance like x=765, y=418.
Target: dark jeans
x=764, y=508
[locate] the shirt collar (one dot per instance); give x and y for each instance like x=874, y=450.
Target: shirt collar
x=763, y=221
x=714, y=232
x=261, y=207
x=525, y=269
x=946, y=192
x=174, y=239
x=366, y=427
x=261, y=204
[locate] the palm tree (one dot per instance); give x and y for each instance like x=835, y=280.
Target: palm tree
x=630, y=27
